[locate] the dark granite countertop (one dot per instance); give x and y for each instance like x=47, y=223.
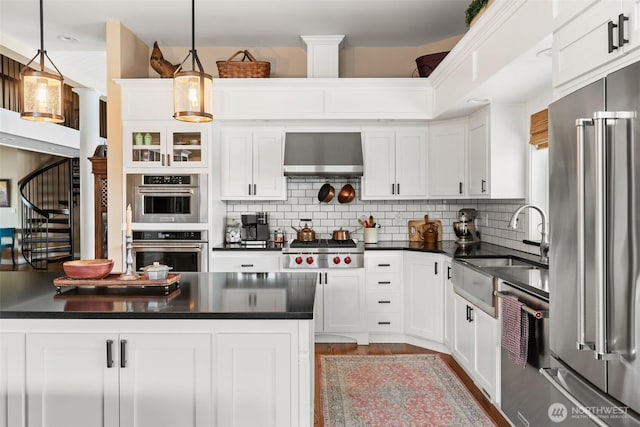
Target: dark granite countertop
x=199, y=296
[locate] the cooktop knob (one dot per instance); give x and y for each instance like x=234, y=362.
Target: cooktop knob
x=310, y=260
x=336, y=260
x=347, y=260
x=299, y=260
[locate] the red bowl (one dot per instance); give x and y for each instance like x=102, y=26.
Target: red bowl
x=88, y=268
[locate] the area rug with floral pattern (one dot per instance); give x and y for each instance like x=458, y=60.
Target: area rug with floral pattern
x=396, y=390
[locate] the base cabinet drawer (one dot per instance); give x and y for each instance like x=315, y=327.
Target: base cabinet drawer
x=384, y=322
x=383, y=302
x=383, y=262
x=384, y=282
x=253, y=263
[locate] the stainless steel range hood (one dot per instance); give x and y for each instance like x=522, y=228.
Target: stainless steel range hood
x=323, y=154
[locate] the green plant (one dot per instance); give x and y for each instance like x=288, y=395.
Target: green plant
x=473, y=10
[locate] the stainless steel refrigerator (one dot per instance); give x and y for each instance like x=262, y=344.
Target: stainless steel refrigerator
x=594, y=204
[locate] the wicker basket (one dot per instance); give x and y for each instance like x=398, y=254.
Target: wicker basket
x=242, y=68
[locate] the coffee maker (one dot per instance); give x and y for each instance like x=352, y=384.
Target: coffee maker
x=465, y=227
x=255, y=229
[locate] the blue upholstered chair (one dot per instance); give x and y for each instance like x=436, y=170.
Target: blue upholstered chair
x=5, y=234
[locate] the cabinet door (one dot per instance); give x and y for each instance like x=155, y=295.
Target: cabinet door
x=379, y=177
x=268, y=174
x=463, y=333
x=253, y=380
x=423, y=296
x=448, y=305
x=344, y=301
x=478, y=154
x=447, y=159
x=165, y=380
x=410, y=166
x=143, y=145
x=583, y=44
x=187, y=146
x=486, y=352
x=70, y=381
x=236, y=157
x=12, y=382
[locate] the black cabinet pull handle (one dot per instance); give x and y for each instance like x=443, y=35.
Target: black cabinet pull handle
x=384, y=265
x=384, y=283
x=384, y=323
x=460, y=187
x=326, y=280
x=468, y=316
x=384, y=302
x=393, y=189
x=610, y=27
x=255, y=190
x=621, y=40
x=483, y=184
x=320, y=274
x=436, y=268
x=398, y=188
x=246, y=265
x=109, y=353
x=448, y=273
x=123, y=353
x=249, y=189
x=471, y=314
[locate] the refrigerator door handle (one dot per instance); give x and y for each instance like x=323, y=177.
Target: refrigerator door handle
x=601, y=119
x=582, y=343
x=550, y=374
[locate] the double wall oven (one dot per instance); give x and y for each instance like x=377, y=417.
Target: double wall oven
x=170, y=212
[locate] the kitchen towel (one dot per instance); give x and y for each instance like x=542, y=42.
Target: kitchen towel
x=515, y=330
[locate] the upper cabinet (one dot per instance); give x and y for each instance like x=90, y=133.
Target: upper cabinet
x=394, y=163
x=164, y=145
x=251, y=164
x=482, y=156
x=602, y=38
x=447, y=159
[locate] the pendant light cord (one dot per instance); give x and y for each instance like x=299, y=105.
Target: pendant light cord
x=42, y=51
x=193, y=34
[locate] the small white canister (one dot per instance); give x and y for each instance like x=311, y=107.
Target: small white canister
x=371, y=235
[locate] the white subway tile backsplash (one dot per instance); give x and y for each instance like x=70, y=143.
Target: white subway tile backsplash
x=302, y=202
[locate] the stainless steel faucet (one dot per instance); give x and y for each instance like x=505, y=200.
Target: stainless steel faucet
x=544, y=242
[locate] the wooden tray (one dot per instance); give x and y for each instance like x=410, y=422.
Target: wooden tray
x=113, y=281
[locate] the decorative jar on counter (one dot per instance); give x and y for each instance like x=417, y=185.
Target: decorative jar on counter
x=233, y=232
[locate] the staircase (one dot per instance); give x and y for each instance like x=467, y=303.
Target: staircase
x=48, y=197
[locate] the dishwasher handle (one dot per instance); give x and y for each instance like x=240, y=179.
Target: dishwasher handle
x=538, y=314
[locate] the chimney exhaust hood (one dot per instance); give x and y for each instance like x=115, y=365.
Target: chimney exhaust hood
x=323, y=154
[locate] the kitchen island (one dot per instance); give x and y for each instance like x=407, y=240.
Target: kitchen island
x=220, y=350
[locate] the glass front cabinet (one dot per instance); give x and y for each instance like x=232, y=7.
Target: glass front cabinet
x=151, y=145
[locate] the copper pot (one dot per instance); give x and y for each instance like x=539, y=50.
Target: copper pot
x=346, y=194
x=305, y=234
x=341, y=234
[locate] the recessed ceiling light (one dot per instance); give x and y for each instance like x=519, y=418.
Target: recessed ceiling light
x=68, y=39
x=544, y=53
x=478, y=100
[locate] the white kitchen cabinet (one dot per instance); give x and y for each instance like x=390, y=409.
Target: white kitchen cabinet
x=423, y=295
x=496, y=152
x=475, y=340
x=253, y=385
x=383, y=284
x=247, y=300
x=590, y=45
x=239, y=261
x=163, y=146
x=12, y=381
x=446, y=158
x=104, y=379
x=394, y=163
x=340, y=301
x=251, y=164
x=448, y=305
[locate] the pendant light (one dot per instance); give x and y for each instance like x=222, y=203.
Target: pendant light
x=192, y=89
x=41, y=91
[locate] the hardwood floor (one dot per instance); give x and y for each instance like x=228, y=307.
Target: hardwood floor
x=387, y=349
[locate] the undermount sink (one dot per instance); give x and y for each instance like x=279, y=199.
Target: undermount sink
x=501, y=262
